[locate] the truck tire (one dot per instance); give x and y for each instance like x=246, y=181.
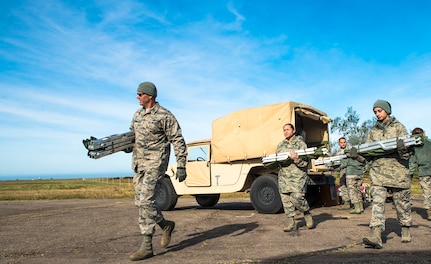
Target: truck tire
x=207, y=200
x=264, y=195
x=166, y=198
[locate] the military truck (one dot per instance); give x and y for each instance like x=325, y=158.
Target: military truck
x=231, y=161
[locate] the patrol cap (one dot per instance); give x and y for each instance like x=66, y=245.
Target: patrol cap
x=148, y=88
x=385, y=105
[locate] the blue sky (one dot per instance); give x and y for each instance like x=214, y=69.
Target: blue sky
x=69, y=69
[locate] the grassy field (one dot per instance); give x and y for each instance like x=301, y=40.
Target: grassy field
x=102, y=188
x=105, y=188
x=66, y=189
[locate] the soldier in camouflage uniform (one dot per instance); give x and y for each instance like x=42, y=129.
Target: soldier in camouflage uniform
x=421, y=159
x=292, y=179
x=389, y=172
x=354, y=166
x=345, y=205
x=155, y=129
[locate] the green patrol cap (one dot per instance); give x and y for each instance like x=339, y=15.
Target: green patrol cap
x=148, y=88
x=385, y=105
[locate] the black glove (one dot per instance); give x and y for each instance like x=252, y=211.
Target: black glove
x=128, y=150
x=87, y=141
x=354, y=153
x=181, y=174
x=401, y=147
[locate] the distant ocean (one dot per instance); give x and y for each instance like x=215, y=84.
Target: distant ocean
x=65, y=176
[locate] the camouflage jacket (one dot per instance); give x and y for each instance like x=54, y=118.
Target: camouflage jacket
x=390, y=170
x=292, y=177
x=155, y=129
x=342, y=170
x=421, y=159
x=353, y=166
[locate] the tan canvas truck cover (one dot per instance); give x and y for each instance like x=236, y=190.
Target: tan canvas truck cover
x=255, y=132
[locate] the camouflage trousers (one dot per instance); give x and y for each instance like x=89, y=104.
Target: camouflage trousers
x=343, y=187
x=401, y=198
x=294, y=200
x=145, y=184
x=354, y=183
x=425, y=182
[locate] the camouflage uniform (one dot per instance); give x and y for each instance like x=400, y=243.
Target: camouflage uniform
x=354, y=173
x=390, y=172
x=292, y=178
x=155, y=129
x=421, y=159
x=343, y=183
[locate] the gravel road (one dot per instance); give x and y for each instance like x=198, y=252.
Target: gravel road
x=106, y=231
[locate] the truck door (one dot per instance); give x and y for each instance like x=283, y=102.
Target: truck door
x=198, y=166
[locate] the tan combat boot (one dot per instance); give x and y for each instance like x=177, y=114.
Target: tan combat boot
x=308, y=220
x=145, y=251
x=344, y=206
x=429, y=214
x=356, y=209
x=167, y=227
x=291, y=225
x=375, y=239
x=405, y=234
x=361, y=204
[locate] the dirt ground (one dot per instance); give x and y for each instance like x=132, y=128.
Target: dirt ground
x=106, y=231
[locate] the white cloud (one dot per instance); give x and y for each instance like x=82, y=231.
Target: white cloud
x=77, y=72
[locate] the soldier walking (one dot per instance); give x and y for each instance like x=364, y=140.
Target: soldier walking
x=354, y=166
x=421, y=159
x=345, y=196
x=156, y=128
x=389, y=173
x=292, y=179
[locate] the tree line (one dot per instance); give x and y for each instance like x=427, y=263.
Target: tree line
x=349, y=126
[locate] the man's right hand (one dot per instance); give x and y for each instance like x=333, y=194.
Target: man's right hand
x=128, y=150
x=353, y=153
